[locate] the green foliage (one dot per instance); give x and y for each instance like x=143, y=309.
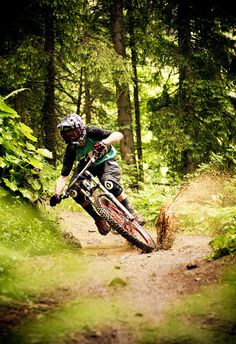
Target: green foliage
x=225, y=244
x=223, y=161
x=204, y=132
x=149, y=199
x=205, y=219
x=25, y=227
x=101, y=68
x=21, y=162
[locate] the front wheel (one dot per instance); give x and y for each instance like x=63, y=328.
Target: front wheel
x=130, y=230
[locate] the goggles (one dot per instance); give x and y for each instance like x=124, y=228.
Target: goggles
x=70, y=135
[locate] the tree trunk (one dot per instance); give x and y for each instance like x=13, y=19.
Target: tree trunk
x=185, y=77
x=80, y=92
x=88, y=102
x=136, y=91
x=49, y=118
x=122, y=90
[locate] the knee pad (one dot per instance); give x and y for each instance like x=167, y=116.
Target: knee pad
x=113, y=187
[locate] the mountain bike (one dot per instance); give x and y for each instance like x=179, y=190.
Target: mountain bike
x=109, y=208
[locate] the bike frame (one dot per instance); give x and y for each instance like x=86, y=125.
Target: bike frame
x=85, y=177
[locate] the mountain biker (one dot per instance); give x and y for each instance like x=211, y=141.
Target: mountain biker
x=82, y=142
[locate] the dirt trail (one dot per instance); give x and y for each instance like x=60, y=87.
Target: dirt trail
x=153, y=280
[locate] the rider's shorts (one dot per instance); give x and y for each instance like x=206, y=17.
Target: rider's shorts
x=108, y=170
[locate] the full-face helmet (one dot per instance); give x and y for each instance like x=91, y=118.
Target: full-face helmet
x=73, y=129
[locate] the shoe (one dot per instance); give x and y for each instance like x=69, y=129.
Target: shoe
x=141, y=220
x=102, y=226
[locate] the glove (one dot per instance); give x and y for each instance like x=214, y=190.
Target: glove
x=54, y=200
x=100, y=149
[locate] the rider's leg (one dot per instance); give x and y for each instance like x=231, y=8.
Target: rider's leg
x=110, y=177
x=101, y=224
x=123, y=199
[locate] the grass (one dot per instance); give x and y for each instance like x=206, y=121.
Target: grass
x=33, y=276
x=77, y=316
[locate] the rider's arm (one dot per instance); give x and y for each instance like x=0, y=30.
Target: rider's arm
x=114, y=137
x=60, y=184
x=107, y=136
x=68, y=161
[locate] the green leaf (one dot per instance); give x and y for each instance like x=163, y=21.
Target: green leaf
x=3, y=162
x=32, y=196
x=44, y=152
x=30, y=146
x=7, y=136
x=17, y=147
x=35, y=183
x=117, y=282
x=11, y=185
x=6, y=111
x=34, y=162
x=12, y=158
x=27, y=131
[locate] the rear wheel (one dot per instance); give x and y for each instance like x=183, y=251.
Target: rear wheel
x=130, y=230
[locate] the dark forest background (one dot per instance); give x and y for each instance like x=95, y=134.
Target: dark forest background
x=162, y=72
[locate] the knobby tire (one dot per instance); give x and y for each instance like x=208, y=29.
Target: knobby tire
x=127, y=229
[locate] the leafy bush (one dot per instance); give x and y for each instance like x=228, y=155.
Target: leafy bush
x=225, y=244
x=26, y=228
x=20, y=161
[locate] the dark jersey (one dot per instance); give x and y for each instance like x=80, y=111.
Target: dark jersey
x=72, y=152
